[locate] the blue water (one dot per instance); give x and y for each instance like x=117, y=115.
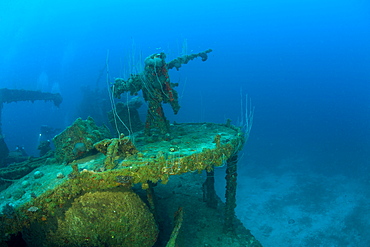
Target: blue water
x=305, y=65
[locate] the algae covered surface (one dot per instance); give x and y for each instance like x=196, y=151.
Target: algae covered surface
x=89, y=201
x=114, y=218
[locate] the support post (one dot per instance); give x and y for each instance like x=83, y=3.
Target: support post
x=209, y=193
x=230, y=193
x=151, y=199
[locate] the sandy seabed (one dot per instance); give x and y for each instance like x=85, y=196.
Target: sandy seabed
x=297, y=207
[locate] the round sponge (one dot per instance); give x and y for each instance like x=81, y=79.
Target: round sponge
x=107, y=218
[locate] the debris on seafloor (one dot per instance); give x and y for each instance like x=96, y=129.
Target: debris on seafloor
x=179, y=217
x=98, y=191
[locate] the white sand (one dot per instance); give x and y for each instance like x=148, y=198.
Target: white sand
x=296, y=207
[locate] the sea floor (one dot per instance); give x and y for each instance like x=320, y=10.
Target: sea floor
x=202, y=226
x=293, y=206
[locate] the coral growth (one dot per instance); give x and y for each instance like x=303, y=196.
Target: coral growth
x=109, y=218
x=115, y=149
x=78, y=139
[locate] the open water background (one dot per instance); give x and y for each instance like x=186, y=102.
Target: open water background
x=305, y=65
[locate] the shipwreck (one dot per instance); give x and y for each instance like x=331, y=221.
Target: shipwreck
x=151, y=187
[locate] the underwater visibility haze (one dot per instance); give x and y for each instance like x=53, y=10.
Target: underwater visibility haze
x=304, y=172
